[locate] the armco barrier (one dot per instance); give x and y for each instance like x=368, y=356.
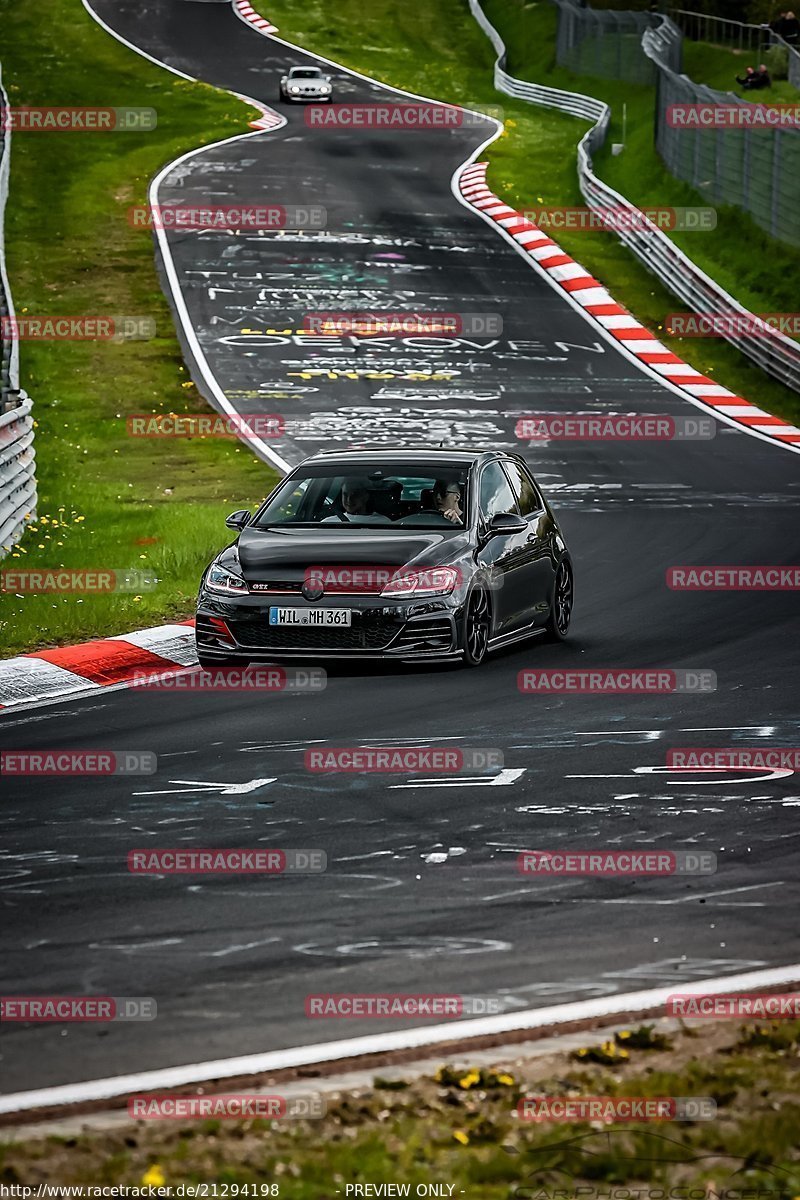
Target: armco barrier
x=17, y=458
x=777, y=355
x=17, y=481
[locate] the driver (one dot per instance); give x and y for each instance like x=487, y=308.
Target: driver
x=447, y=499
x=354, y=498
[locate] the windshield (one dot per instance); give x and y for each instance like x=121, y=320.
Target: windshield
x=305, y=73
x=392, y=495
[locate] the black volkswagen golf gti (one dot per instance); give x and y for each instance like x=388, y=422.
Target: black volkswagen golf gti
x=405, y=554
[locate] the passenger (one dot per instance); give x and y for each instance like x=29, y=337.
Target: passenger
x=447, y=500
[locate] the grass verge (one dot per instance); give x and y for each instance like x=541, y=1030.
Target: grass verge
x=107, y=500
x=458, y=1128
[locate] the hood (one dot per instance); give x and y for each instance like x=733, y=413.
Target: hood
x=288, y=553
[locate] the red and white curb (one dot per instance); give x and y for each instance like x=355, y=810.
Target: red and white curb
x=245, y=10
x=91, y=666
x=270, y=119
x=594, y=299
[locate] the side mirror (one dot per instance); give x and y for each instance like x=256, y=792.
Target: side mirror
x=238, y=519
x=506, y=523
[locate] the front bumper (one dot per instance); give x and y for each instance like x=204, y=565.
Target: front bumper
x=406, y=631
x=306, y=97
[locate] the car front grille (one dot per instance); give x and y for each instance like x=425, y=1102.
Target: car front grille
x=368, y=632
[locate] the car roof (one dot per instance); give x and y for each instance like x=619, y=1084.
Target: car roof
x=413, y=454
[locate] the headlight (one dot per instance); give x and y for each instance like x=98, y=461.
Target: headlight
x=435, y=581
x=324, y=87
x=220, y=580
x=295, y=90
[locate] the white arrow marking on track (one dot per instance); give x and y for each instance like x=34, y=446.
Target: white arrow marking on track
x=224, y=789
x=506, y=777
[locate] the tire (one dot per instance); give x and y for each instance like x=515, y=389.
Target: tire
x=476, y=636
x=557, y=625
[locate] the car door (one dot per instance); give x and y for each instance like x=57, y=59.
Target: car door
x=536, y=572
x=504, y=554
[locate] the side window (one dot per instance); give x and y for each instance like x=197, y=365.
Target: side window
x=288, y=507
x=524, y=491
x=495, y=494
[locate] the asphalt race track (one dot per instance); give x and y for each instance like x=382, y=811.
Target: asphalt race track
x=422, y=891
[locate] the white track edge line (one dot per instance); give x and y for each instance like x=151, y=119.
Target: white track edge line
x=384, y=1043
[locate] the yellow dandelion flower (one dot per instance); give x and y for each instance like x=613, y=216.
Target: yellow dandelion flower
x=154, y=1176
x=462, y=1137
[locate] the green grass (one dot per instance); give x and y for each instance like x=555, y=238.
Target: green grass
x=107, y=500
x=459, y=1128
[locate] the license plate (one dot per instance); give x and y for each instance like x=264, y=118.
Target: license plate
x=326, y=617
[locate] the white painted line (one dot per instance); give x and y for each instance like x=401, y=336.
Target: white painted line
x=676, y=369
x=23, y=679
x=571, y=270
x=384, y=1043
x=593, y=295
x=738, y=410
x=626, y=322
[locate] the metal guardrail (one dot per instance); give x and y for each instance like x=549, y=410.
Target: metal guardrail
x=17, y=459
x=17, y=480
x=776, y=354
